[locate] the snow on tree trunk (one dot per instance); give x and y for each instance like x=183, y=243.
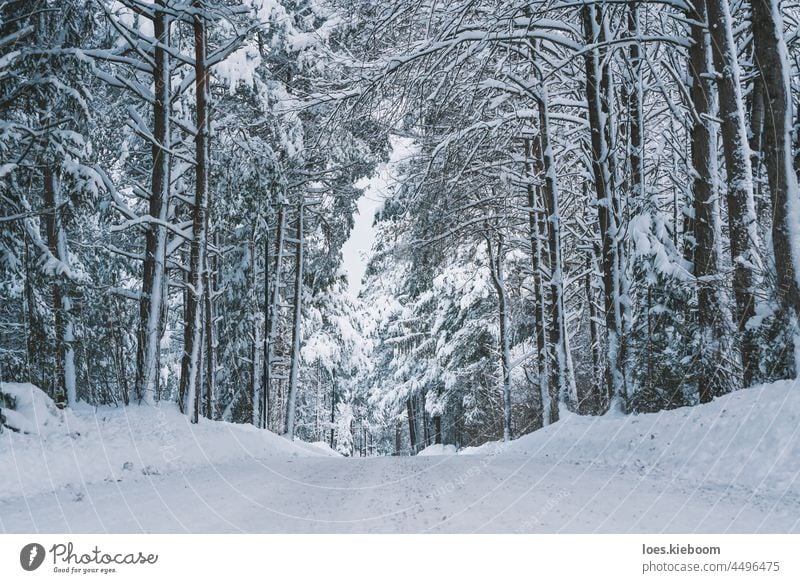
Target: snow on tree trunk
x=274, y=306
x=294, y=367
x=536, y=227
x=562, y=383
x=498, y=279
x=256, y=395
x=65, y=389
x=154, y=276
x=210, y=337
x=412, y=429
x=704, y=225
x=774, y=70
x=635, y=97
x=755, y=106
x=193, y=326
x=597, y=93
x=741, y=209
x=595, y=398
x=265, y=402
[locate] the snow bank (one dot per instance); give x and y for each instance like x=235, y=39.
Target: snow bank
x=750, y=438
x=439, y=449
x=28, y=409
x=124, y=443
x=318, y=447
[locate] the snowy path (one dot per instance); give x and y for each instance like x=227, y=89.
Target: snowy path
x=482, y=493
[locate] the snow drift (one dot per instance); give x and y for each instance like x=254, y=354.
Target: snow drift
x=27, y=409
x=44, y=448
x=438, y=449
x=747, y=439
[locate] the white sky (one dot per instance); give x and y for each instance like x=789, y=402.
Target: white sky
x=357, y=250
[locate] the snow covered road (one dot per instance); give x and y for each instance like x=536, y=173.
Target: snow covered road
x=479, y=493
x=729, y=466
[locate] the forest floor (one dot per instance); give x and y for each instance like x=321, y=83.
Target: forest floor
x=730, y=466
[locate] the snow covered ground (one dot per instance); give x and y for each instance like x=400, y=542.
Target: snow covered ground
x=731, y=466
x=439, y=449
x=115, y=444
x=747, y=439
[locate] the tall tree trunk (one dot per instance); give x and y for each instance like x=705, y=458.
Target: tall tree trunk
x=797, y=139
x=65, y=389
x=426, y=431
x=256, y=402
x=398, y=437
x=635, y=98
x=419, y=419
x=498, y=279
x=154, y=273
x=755, y=105
x=210, y=337
x=412, y=425
x=636, y=125
x=294, y=367
x=274, y=307
x=596, y=397
x=597, y=92
x=772, y=63
x=333, y=406
x=265, y=397
x=562, y=381
x=536, y=226
x=705, y=227
x=741, y=210
x=193, y=326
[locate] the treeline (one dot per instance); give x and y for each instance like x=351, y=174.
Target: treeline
x=602, y=210
x=598, y=209
x=173, y=211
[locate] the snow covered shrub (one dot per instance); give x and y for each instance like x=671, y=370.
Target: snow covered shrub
x=27, y=409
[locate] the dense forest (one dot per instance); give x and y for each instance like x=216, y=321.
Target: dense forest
x=594, y=208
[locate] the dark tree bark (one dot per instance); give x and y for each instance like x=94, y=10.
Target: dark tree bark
x=536, y=230
x=771, y=59
x=333, y=405
x=154, y=272
x=265, y=396
x=34, y=330
x=193, y=326
x=297, y=309
x=561, y=379
x=703, y=249
x=755, y=105
x=65, y=381
x=412, y=430
x=634, y=99
x=273, y=313
x=426, y=431
x=597, y=93
x=398, y=438
x=256, y=401
x=558, y=371
x=498, y=279
x=210, y=337
x=739, y=194
x=595, y=398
